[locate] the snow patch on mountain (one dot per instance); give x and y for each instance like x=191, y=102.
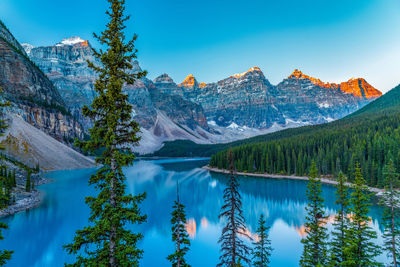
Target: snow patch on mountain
x=71, y=41
x=324, y=105
x=27, y=47
x=166, y=130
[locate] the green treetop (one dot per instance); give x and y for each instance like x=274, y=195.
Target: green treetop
x=341, y=224
x=391, y=215
x=233, y=248
x=107, y=241
x=179, y=235
x=5, y=255
x=262, y=250
x=315, y=243
x=361, y=249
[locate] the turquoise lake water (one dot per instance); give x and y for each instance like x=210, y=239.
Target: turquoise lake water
x=37, y=235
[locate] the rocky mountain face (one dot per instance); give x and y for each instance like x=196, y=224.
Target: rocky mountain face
x=357, y=87
x=248, y=99
x=161, y=115
x=239, y=106
x=32, y=94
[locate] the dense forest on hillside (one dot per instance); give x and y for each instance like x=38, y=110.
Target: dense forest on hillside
x=389, y=103
x=370, y=137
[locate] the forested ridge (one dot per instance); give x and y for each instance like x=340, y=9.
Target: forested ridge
x=370, y=137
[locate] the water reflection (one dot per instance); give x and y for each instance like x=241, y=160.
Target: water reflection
x=37, y=235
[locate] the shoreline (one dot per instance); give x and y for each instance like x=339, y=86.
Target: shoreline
x=291, y=177
x=28, y=200
x=25, y=200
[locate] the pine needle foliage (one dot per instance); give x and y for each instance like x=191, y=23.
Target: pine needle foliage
x=262, y=247
x=107, y=241
x=233, y=248
x=341, y=224
x=361, y=249
x=391, y=215
x=5, y=255
x=315, y=243
x=179, y=234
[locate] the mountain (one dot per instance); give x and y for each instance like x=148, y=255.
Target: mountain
x=248, y=99
x=162, y=117
x=240, y=106
x=357, y=87
x=32, y=94
x=25, y=143
x=369, y=137
x=38, y=118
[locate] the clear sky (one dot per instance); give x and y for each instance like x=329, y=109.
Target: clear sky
x=333, y=40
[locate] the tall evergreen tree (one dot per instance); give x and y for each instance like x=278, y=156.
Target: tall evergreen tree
x=315, y=243
x=5, y=255
x=262, y=248
x=107, y=241
x=391, y=216
x=361, y=249
x=341, y=224
x=233, y=248
x=179, y=234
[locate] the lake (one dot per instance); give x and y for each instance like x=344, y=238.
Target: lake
x=37, y=235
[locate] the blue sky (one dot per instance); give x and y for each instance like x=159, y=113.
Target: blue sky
x=213, y=39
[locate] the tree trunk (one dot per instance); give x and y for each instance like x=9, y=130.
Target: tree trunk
x=113, y=230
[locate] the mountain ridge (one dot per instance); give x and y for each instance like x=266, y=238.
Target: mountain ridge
x=239, y=106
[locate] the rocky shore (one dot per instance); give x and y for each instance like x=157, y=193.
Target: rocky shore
x=23, y=200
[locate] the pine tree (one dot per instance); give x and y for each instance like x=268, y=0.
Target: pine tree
x=107, y=241
x=233, y=249
x=315, y=246
x=262, y=250
x=341, y=224
x=28, y=184
x=391, y=216
x=179, y=234
x=5, y=255
x=361, y=249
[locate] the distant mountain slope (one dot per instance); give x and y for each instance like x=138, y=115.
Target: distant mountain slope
x=162, y=117
x=249, y=100
x=28, y=144
x=240, y=106
x=32, y=94
x=388, y=103
x=370, y=137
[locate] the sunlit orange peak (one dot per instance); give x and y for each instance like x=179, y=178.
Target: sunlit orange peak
x=190, y=81
x=357, y=87
x=238, y=75
x=85, y=43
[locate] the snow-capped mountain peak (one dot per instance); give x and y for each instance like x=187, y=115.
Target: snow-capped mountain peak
x=72, y=41
x=27, y=47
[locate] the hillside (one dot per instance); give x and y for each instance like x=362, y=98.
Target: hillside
x=369, y=137
x=238, y=107
x=33, y=147
x=32, y=95
x=39, y=120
